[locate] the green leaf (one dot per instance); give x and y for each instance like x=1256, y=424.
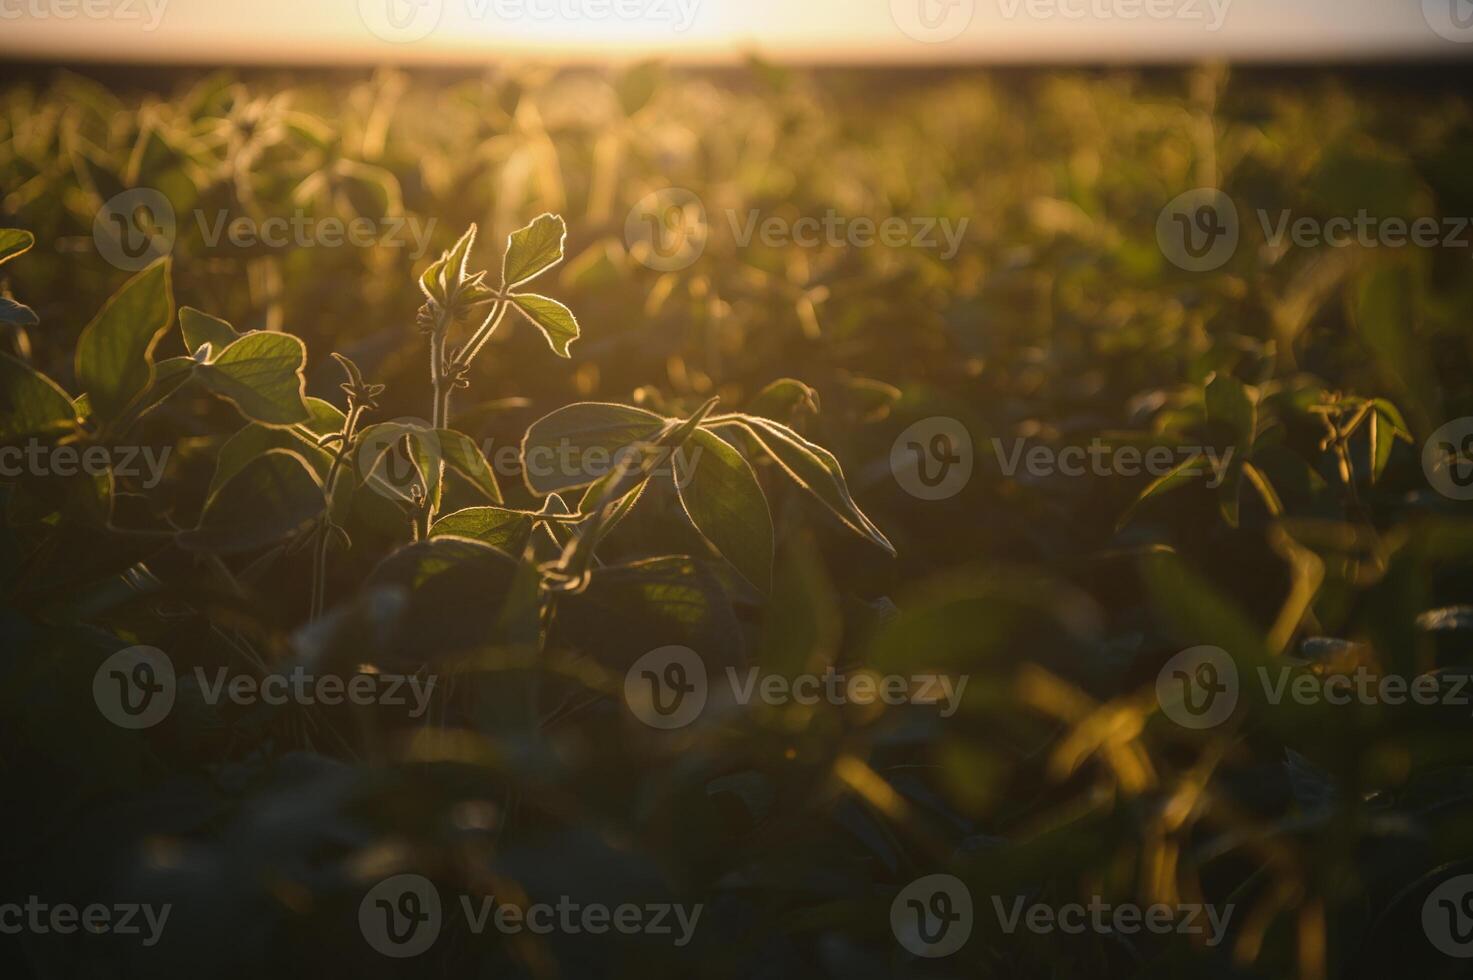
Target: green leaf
x=560, y=533
x=202, y=328
x=1384, y=304
x=802, y=621
x=273, y=497
x=555, y=450
x=462, y=455
x=254, y=441
x=169, y=375
x=628, y=610
x=816, y=470
x=326, y=418
x=509, y=530
x=555, y=320
x=13, y=242
x=1232, y=407
x=457, y=257
x=18, y=314
x=1179, y=476
x=1387, y=426
x=783, y=399
x=261, y=374
x=31, y=404
x=445, y=577
x=725, y=502
x=1230, y=403
x=1193, y=612
x=375, y=443
x=532, y=250
x=115, y=351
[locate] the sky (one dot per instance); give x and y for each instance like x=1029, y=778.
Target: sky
x=987, y=31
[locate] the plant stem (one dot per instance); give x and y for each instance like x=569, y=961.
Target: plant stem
x=324, y=529
x=472, y=347
x=439, y=379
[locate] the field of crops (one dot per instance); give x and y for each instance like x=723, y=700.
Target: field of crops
x=774, y=523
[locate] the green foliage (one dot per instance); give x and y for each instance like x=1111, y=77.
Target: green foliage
x=115, y=351
x=524, y=528
x=261, y=374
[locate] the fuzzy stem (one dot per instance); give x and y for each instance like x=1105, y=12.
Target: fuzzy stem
x=324, y=530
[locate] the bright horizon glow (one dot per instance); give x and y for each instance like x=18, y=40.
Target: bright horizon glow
x=460, y=31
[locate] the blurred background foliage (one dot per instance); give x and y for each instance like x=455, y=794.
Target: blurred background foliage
x=1058, y=321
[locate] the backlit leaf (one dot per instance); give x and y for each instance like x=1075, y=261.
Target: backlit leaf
x=532, y=250
x=464, y=457
x=115, y=351
x=816, y=470
x=13, y=242
x=271, y=498
x=201, y=328
x=261, y=374
x=555, y=452
x=726, y=504
x=31, y=404
x=509, y=530
x=556, y=321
